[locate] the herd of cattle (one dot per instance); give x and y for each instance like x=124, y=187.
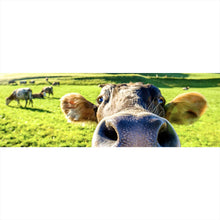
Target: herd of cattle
x=27, y=95
x=31, y=82
x=128, y=114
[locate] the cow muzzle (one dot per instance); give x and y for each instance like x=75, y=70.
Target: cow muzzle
x=142, y=130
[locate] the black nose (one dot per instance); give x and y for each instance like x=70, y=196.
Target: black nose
x=135, y=131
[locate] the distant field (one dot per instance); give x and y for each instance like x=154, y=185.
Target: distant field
x=166, y=80
x=45, y=125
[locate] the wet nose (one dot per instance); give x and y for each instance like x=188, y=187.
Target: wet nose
x=135, y=131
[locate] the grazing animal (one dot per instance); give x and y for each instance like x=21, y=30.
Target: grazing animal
x=186, y=88
x=23, y=82
x=56, y=83
x=11, y=82
x=48, y=81
x=48, y=90
x=18, y=94
x=32, y=81
x=134, y=114
x=38, y=95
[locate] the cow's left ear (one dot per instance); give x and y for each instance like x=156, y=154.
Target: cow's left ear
x=77, y=108
x=186, y=108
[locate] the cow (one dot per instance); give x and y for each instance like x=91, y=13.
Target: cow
x=134, y=114
x=23, y=82
x=48, y=90
x=38, y=95
x=186, y=88
x=32, y=81
x=18, y=94
x=56, y=83
x=11, y=82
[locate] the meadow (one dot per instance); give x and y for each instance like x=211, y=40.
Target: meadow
x=44, y=125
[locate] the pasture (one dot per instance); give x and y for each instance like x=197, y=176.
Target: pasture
x=44, y=125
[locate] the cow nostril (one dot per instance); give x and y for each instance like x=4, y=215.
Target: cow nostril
x=106, y=134
x=167, y=136
x=128, y=131
x=110, y=132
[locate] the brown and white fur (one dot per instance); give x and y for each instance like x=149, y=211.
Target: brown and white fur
x=48, y=90
x=77, y=108
x=134, y=114
x=21, y=94
x=38, y=95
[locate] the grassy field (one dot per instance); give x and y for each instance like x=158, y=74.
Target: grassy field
x=45, y=125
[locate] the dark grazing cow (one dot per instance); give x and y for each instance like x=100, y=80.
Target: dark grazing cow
x=48, y=90
x=23, y=82
x=134, y=114
x=56, y=83
x=11, y=82
x=32, y=81
x=18, y=94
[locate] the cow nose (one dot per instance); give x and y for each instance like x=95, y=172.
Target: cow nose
x=135, y=131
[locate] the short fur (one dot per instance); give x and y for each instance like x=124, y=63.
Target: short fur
x=38, y=95
x=48, y=90
x=133, y=114
x=77, y=108
x=186, y=108
x=22, y=93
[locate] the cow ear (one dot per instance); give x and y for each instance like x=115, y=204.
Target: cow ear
x=186, y=108
x=77, y=108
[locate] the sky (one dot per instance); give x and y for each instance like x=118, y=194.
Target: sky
x=109, y=36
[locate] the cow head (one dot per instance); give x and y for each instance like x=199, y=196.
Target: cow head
x=134, y=114
x=8, y=100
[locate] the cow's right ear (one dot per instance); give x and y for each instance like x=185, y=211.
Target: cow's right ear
x=77, y=108
x=186, y=108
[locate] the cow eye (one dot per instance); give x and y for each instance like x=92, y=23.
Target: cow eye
x=161, y=100
x=100, y=99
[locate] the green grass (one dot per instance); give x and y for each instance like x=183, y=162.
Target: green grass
x=45, y=125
